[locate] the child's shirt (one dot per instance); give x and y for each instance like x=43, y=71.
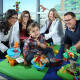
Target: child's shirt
x=30, y=45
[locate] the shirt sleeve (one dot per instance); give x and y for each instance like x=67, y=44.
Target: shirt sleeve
x=67, y=40
x=54, y=30
x=25, y=48
x=3, y=48
x=16, y=32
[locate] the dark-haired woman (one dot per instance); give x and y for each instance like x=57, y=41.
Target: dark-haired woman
x=9, y=31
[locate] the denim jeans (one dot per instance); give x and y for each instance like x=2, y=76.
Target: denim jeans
x=47, y=51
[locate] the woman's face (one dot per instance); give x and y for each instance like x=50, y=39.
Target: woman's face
x=25, y=18
x=13, y=19
x=51, y=16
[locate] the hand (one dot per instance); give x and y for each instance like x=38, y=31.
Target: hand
x=38, y=42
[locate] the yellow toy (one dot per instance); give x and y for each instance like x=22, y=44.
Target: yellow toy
x=11, y=61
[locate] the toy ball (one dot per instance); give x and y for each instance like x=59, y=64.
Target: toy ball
x=12, y=54
x=56, y=51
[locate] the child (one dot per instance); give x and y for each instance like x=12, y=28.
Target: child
x=35, y=44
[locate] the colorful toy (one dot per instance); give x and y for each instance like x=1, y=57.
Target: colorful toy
x=13, y=53
x=39, y=61
x=17, y=6
x=74, y=59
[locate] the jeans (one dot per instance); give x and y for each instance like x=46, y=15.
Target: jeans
x=60, y=54
x=47, y=51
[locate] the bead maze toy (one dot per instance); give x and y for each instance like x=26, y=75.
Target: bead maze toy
x=39, y=61
x=13, y=53
x=74, y=59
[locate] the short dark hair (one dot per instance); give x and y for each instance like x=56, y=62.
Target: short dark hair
x=70, y=13
x=32, y=25
x=10, y=13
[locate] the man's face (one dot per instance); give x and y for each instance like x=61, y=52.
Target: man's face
x=35, y=32
x=70, y=21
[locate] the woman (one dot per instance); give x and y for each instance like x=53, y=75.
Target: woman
x=9, y=31
x=52, y=29
x=24, y=21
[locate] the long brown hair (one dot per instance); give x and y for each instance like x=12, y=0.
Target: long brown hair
x=21, y=17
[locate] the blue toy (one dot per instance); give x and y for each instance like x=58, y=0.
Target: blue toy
x=13, y=54
x=39, y=61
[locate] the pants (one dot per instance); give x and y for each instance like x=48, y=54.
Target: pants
x=60, y=54
x=47, y=51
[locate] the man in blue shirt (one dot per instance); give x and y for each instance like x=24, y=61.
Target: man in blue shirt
x=72, y=33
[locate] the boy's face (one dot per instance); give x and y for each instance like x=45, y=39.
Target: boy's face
x=35, y=32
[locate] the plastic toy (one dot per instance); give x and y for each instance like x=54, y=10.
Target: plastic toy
x=39, y=61
x=74, y=59
x=17, y=6
x=13, y=53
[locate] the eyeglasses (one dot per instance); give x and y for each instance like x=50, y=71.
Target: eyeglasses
x=26, y=16
x=14, y=17
x=68, y=20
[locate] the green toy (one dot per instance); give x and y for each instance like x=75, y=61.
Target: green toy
x=73, y=57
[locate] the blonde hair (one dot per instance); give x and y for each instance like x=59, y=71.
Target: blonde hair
x=55, y=13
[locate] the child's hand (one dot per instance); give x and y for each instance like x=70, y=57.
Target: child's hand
x=38, y=42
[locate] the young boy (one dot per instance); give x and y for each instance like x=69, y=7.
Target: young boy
x=35, y=44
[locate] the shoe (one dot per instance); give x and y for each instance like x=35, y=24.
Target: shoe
x=52, y=60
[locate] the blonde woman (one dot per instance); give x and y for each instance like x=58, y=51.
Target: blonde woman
x=52, y=29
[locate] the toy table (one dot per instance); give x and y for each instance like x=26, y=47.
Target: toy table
x=64, y=74
x=20, y=72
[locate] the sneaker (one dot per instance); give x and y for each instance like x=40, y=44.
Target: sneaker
x=52, y=60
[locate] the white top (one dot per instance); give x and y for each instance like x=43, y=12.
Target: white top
x=55, y=31
x=12, y=36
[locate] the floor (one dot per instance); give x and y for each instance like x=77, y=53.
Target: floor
x=2, y=76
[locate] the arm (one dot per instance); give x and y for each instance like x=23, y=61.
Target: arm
x=67, y=41
x=3, y=48
x=77, y=45
x=15, y=34
x=25, y=48
x=42, y=45
x=54, y=29
x=16, y=27
x=41, y=42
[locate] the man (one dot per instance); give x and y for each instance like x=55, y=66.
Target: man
x=72, y=33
